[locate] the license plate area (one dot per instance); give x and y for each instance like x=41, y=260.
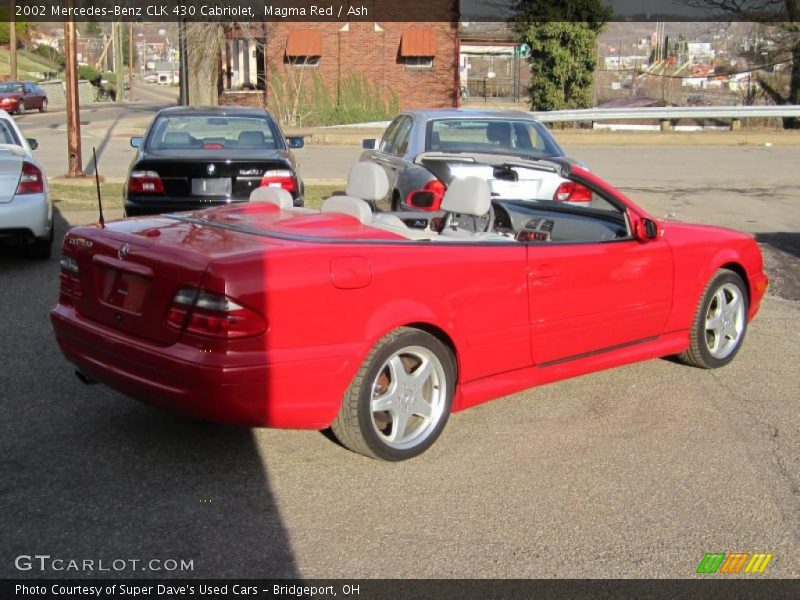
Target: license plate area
x=524, y=189
x=124, y=290
x=216, y=186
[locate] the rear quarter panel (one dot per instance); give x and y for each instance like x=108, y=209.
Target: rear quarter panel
x=475, y=295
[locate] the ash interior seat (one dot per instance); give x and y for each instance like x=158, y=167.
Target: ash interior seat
x=466, y=199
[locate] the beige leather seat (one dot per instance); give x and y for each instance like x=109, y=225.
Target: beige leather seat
x=273, y=195
x=468, y=196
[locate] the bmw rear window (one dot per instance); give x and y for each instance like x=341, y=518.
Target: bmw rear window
x=204, y=132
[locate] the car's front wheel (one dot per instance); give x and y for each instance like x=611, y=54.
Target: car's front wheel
x=399, y=401
x=43, y=107
x=720, y=322
x=21, y=108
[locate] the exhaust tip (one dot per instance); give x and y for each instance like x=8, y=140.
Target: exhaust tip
x=84, y=378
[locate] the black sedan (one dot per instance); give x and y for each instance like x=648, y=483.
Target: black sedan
x=192, y=158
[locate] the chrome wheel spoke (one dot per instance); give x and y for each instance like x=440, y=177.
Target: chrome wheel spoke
x=384, y=402
x=400, y=420
x=725, y=321
x=714, y=324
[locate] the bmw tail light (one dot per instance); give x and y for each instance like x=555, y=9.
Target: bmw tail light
x=429, y=197
x=30, y=180
x=213, y=315
x=572, y=192
x=145, y=182
x=281, y=178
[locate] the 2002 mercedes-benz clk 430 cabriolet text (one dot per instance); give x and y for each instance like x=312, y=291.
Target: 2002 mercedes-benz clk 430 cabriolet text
x=380, y=325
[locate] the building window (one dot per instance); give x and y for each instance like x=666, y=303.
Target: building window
x=302, y=61
x=418, y=62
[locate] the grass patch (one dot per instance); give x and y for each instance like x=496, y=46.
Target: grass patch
x=84, y=194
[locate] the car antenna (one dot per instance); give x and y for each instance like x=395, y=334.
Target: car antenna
x=97, y=183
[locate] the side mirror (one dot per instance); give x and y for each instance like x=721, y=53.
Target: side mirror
x=369, y=144
x=647, y=229
x=34, y=144
x=296, y=141
x=136, y=142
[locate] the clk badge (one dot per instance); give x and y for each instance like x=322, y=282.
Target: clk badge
x=123, y=251
x=211, y=169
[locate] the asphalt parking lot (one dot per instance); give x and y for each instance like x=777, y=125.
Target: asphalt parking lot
x=635, y=472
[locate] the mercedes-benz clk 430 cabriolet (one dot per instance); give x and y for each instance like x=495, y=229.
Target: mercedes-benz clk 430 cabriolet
x=380, y=325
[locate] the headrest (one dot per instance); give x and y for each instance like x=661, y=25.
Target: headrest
x=348, y=205
x=273, y=195
x=468, y=196
x=177, y=138
x=252, y=139
x=499, y=131
x=367, y=181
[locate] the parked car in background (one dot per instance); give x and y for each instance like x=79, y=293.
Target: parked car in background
x=18, y=96
x=265, y=315
x=26, y=211
x=423, y=150
x=199, y=157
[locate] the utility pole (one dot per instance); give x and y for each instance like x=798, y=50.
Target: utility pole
x=184, y=63
x=12, y=39
x=74, y=159
x=119, y=67
x=130, y=61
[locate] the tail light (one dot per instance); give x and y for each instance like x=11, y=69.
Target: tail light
x=30, y=180
x=213, y=315
x=71, y=288
x=429, y=197
x=282, y=179
x=572, y=192
x=145, y=182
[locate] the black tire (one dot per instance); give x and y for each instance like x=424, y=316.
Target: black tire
x=43, y=107
x=710, y=348
x=358, y=428
x=21, y=108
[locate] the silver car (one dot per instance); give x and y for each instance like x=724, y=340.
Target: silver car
x=423, y=150
x=26, y=211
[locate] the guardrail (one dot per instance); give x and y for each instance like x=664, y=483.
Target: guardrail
x=666, y=115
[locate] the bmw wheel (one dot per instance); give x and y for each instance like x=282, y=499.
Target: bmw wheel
x=400, y=399
x=720, y=323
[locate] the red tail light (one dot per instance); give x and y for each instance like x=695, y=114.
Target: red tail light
x=213, y=146
x=570, y=191
x=145, y=182
x=282, y=179
x=30, y=180
x=429, y=197
x=213, y=315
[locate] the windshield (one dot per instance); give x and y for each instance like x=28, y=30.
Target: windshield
x=5, y=88
x=197, y=132
x=491, y=136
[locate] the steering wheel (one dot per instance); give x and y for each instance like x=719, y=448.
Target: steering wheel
x=484, y=223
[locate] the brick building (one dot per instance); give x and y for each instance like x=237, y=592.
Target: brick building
x=417, y=62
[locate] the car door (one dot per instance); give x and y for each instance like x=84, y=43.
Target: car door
x=392, y=148
x=590, y=297
x=31, y=101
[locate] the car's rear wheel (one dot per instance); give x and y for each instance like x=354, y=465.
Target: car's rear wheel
x=399, y=401
x=720, y=322
x=43, y=107
x=21, y=108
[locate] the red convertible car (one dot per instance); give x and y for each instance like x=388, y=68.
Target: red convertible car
x=380, y=325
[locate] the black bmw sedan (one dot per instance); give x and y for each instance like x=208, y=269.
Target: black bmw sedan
x=192, y=158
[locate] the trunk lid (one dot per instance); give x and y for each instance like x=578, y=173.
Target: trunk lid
x=11, y=159
x=212, y=175
x=130, y=271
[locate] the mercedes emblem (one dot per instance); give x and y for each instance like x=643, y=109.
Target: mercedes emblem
x=123, y=251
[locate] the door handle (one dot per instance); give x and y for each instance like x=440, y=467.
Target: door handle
x=545, y=272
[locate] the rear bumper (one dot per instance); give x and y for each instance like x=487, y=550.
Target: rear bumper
x=265, y=392
x=27, y=213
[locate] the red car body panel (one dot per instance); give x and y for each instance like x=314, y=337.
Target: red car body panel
x=515, y=314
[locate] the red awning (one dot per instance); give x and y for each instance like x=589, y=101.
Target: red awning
x=418, y=42
x=304, y=42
